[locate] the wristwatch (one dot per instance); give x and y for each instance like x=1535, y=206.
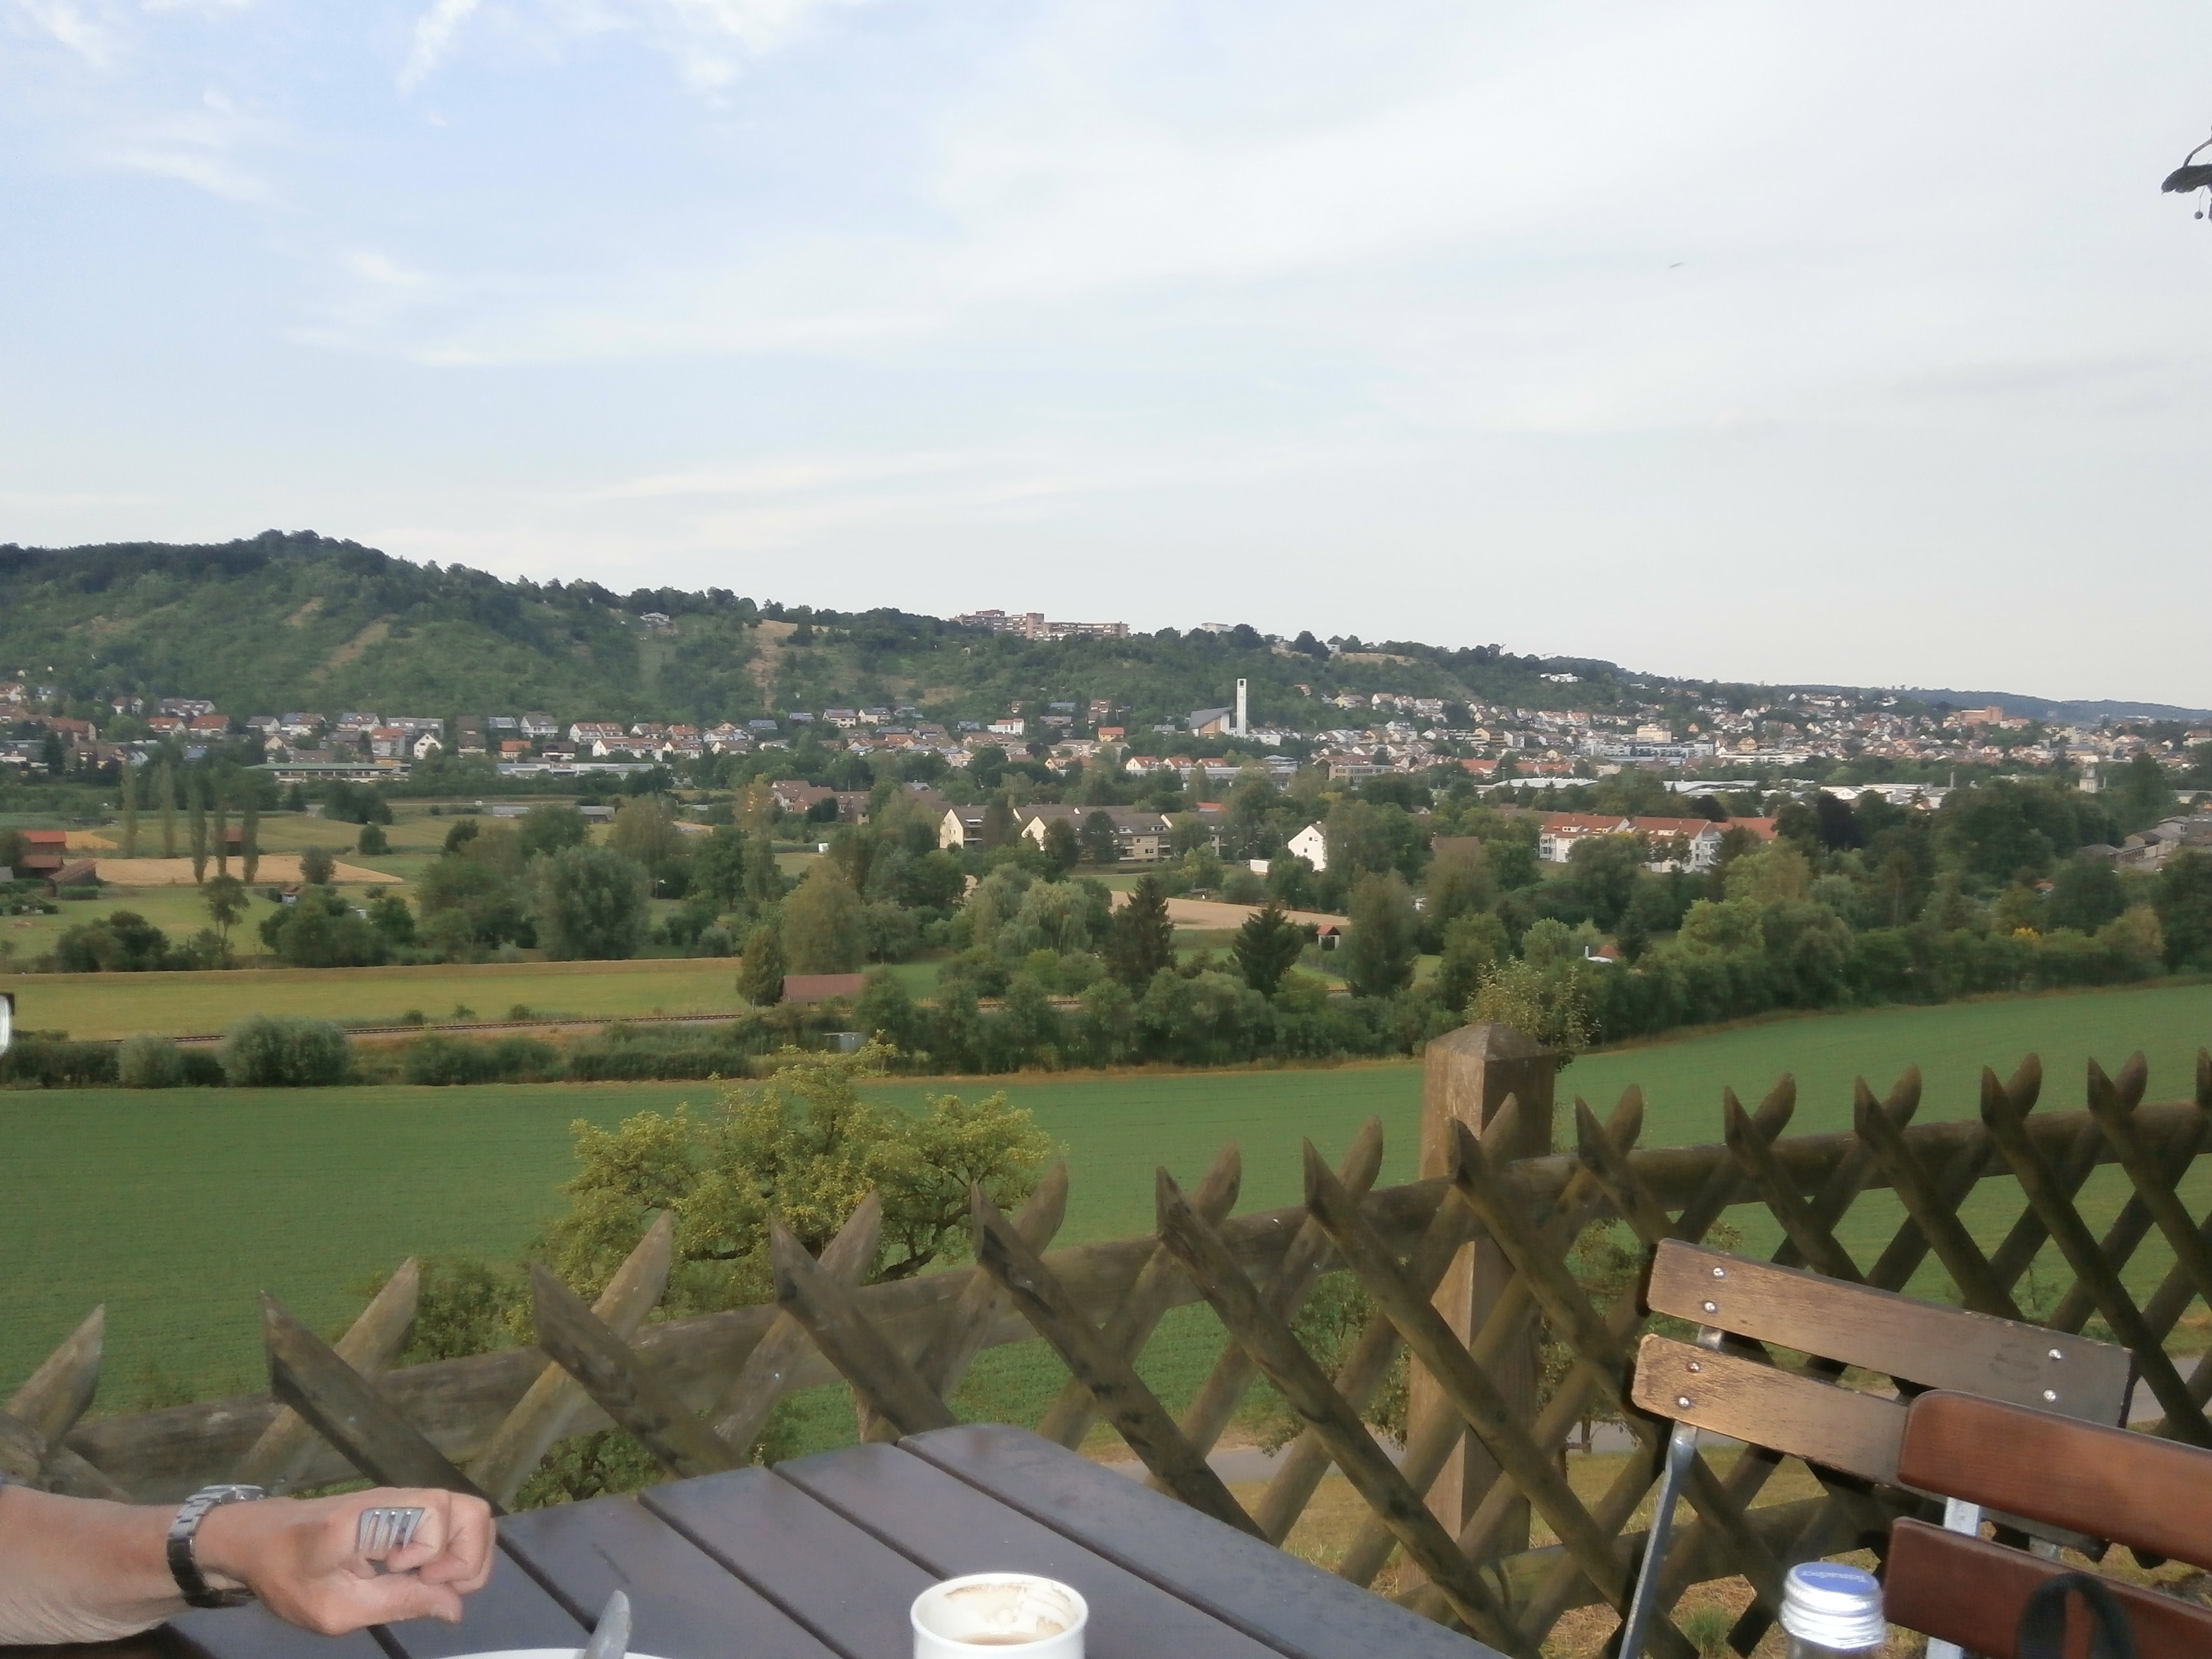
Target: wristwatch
x=183, y=1567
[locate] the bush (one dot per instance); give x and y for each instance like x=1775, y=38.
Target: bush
x=374, y=841
x=262, y=1051
x=148, y=1060
x=442, y=1061
x=49, y=1059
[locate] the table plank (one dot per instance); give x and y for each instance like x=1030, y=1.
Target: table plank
x=1292, y=1606
x=513, y=1610
x=253, y=1632
x=950, y=1529
x=683, y=1603
x=848, y=1587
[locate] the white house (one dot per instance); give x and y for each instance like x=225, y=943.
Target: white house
x=1311, y=844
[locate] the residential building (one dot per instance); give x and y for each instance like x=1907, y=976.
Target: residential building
x=1140, y=837
x=1311, y=844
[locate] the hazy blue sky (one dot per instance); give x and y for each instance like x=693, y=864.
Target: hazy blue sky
x=1841, y=343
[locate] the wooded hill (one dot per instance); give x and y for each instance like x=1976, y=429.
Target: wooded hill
x=288, y=622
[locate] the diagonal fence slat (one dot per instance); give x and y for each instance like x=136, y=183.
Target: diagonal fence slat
x=1226, y=1386
x=1275, y=1349
x=2004, y=1115
x=372, y=1345
x=1138, y=1314
x=1106, y=1375
x=765, y=1377
x=1429, y=1441
x=952, y=1347
x=1465, y=1385
x=308, y=1375
x=556, y=1401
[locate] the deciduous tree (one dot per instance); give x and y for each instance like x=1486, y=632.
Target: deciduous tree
x=822, y=929
x=1377, y=956
x=761, y=969
x=592, y=905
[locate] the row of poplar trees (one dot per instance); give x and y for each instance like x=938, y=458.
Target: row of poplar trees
x=206, y=794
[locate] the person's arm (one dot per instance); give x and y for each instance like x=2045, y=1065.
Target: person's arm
x=80, y=1569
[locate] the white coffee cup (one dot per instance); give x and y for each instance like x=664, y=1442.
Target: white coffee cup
x=959, y=1618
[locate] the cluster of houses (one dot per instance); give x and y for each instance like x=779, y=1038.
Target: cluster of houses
x=1403, y=732
x=1690, y=844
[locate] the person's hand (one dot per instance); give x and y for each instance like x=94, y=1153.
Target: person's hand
x=298, y=1555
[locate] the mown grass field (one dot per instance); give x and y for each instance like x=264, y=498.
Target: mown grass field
x=116, y=1005
x=175, y=1208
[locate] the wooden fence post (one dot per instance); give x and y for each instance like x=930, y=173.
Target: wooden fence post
x=1470, y=1074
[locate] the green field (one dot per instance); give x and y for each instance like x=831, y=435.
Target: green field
x=116, y=1005
x=175, y=1208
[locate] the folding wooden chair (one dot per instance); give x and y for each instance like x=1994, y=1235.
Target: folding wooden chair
x=1724, y=1382
x=2132, y=1489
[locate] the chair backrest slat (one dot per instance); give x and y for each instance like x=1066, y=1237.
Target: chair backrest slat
x=1797, y=1415
x=1897, y=1336
x=1969, y=1591
x=2130, y=1488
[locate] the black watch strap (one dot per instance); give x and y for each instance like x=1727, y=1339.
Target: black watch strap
x=183, y=1567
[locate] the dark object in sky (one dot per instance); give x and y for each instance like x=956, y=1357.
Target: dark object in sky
x=2191, y=174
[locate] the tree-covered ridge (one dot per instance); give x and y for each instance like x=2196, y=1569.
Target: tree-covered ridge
x=300, y=621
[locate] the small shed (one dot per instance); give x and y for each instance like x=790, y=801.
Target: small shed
x=77, y=874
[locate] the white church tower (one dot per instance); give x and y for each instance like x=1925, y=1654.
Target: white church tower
x=1244, y=728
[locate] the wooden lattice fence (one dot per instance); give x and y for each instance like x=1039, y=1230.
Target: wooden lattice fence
x=1467, y=1268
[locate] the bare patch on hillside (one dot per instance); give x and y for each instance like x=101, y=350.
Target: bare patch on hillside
x=768, y=653
x=299, y=618
x=351, y=653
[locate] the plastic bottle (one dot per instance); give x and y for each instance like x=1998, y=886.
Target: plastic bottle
x=1833, y=1611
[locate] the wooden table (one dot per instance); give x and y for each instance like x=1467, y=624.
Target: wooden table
x=820, y=1558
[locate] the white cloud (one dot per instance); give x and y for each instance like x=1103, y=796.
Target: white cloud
x=92, y=31
x=202, y=147
x=433, y=38
x=709, y=41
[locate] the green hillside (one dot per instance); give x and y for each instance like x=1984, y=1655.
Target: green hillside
x=300, y=621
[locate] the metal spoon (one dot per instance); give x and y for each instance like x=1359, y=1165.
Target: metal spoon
x=610, y=1637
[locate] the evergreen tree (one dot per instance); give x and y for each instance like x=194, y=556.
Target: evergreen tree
x=1140, y=941
x=1266, y=947
x=760, y=970
x=998, y=823
x=249, y=836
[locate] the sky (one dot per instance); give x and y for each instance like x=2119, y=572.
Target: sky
x=1790, y=343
